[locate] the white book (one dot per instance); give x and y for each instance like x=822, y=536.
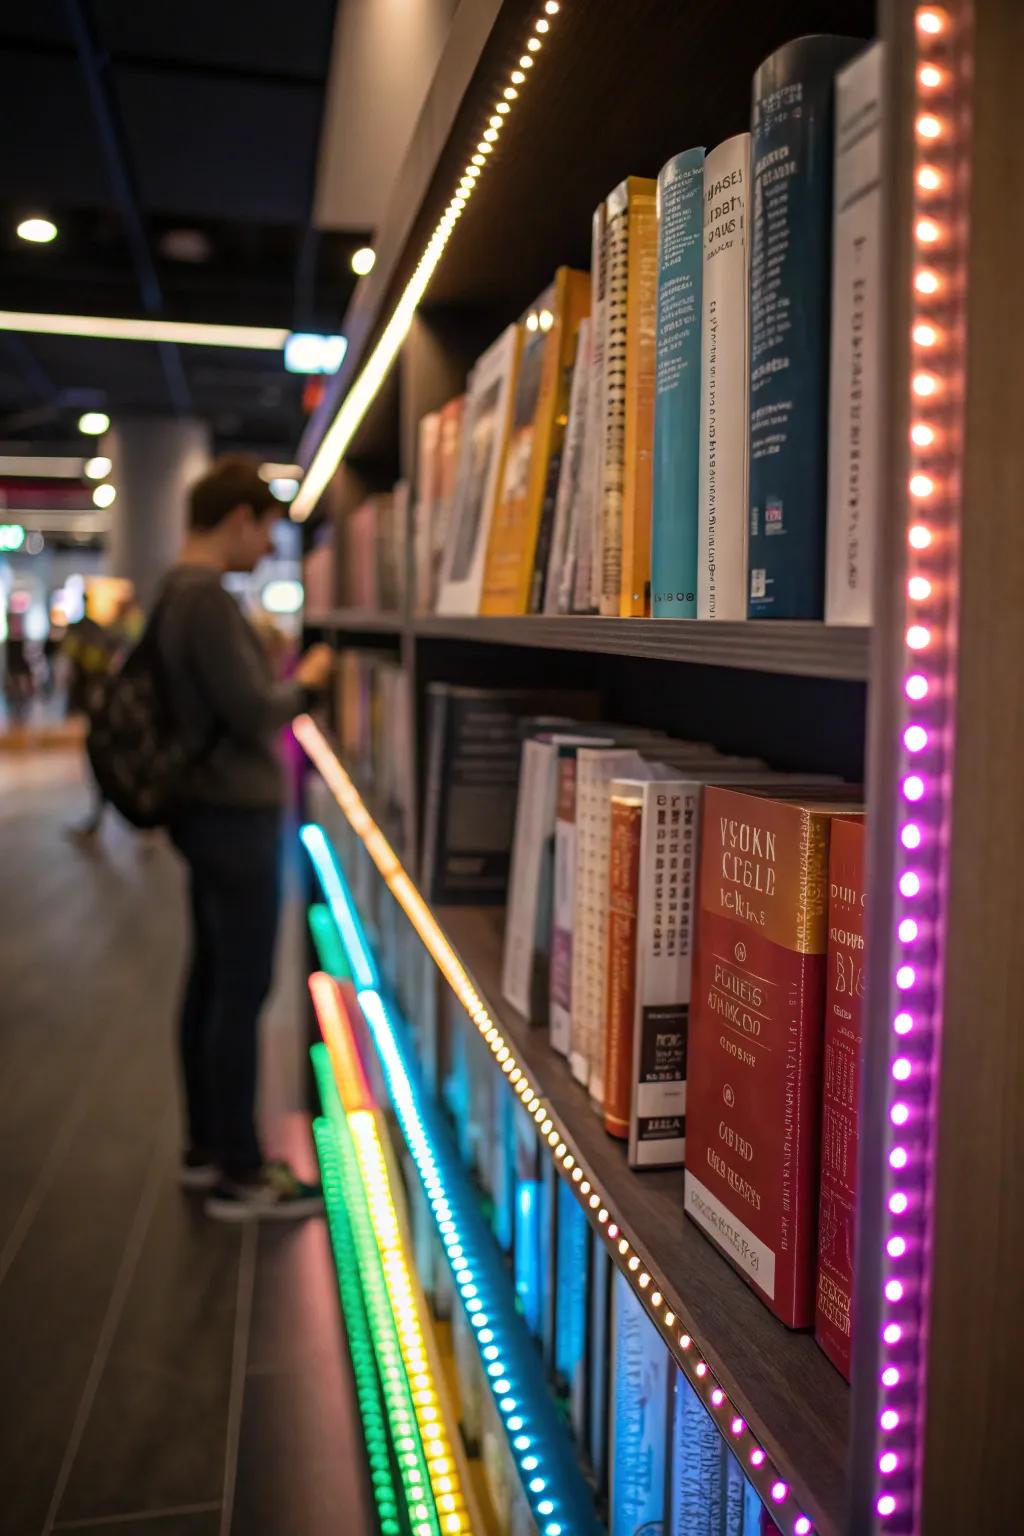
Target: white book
x=856, y=342
x=428, y=438
x=568, y=501
x=587, y=583
x=725, y=336
x=481, y=459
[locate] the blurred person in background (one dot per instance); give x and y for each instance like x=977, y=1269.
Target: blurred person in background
x=93, y=652
x=19, y=672
x=226, y=701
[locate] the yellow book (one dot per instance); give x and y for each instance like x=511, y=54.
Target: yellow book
x=539, y=416
x=630, y=325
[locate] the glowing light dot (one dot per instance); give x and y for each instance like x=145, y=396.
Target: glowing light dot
x=890, y=1419
x=927, y=231
x=896, y=1247
x=543, y=26
x=907, y=930
x=910, y=884
x=915, y=738
x=517, y=77
x=928, y=126
x=905, y=977
x=552, y=7
x=901, y=1069
x=802, y=1526
x=922, y=435
x=757, y=1457
x=930, y=21
x=526, y=62
x=919, y=588
x=737, y=1426
x=892, y=1333
x=684, y=1341
x=921, y=485
x=928, y=179
x=916, y=687
x=779, y=1491
x=718, y=1397
x=903, y=1023
x=502, y=107
x=910, y=836
x=899, y=1114
x=924, y=385
x=534, y=44
x=898, y=1157
x=701, y=1368
x=925, y=335
x=918, y=637
x=929, y=76
x=886, y=1504
x=913, y=787
x=898, y=1203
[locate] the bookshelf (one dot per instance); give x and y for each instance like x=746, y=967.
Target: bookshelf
x=785, y=688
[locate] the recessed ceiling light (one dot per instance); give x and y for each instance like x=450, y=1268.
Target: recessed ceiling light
x=94, y=423
x=104, y=495
x=363, y=260
x=97, y=468
x=37, y=231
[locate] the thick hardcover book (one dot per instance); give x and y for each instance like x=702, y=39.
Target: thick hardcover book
x=844, y=1033
x=753, y=1124
x=631, y=288
x=473, y=748
x=484, y=436
x=623, y=906
x=725, y=337
x=641, y=1389
x=853, y=483
x=677, y=387
x=697, y=1492
x=569, y=497
x=790, y=309
x=539, y=412
x=586, y=591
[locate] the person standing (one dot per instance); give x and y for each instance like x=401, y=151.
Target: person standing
x=226, y=824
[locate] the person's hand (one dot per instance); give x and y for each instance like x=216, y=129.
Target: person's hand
x=314, y=668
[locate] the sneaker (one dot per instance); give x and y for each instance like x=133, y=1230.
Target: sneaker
x=198, y=1170
x=275, y=1194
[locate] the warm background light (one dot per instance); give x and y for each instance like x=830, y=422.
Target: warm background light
x=94, y=423
x=37, y=231
x=363, y=260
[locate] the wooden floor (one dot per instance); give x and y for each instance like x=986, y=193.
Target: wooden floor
x=160, y=1375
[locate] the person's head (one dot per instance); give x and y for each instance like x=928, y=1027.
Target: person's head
x=233, y=508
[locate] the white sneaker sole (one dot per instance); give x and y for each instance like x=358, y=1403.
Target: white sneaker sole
x=198, y=1178
x=255, y=1210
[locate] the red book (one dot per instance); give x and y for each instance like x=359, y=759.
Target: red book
x=753, y=1121
x=841, y=1090
x=623, y=899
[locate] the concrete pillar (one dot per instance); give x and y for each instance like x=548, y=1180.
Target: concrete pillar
x=154, y=461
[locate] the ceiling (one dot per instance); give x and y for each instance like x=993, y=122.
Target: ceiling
x=214, y=108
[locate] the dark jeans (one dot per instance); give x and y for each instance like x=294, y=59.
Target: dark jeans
x=233, y=857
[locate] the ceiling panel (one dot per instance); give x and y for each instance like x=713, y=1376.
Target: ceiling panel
x=278, y=37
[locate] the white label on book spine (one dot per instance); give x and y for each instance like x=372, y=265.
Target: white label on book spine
x=856, y=342
x=722, y=504
x=753, y=1256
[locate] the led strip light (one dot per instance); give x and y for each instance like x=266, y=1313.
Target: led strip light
x=378, y=365
x=771, y=1487
x=327, y=943
x=936, y=389
x=559, y=1499
x=354, y=1121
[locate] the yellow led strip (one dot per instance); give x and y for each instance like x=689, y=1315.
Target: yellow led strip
x=375, y=370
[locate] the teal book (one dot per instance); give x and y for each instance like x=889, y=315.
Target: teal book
x=677, y=387
x=790, y=323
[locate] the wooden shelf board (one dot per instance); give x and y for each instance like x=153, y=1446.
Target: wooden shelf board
x=356, y=619
x=793, y=1399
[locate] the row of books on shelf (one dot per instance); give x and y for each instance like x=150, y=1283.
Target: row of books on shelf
x=688, y=927
x=370, y=570
x=690, y=429
x=656, y=1457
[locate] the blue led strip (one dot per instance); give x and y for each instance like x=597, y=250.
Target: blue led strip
x=364, y=967
x=555, y=1488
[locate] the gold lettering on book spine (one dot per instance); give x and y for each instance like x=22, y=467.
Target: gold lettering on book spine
x=812, y=909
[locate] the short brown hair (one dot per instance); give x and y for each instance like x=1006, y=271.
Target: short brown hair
x=227, y=484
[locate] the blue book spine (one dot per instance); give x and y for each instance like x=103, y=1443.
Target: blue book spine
x=696, y=1476
x=752, y=1510
x=677, y=387
x=571, y=1301
x=640, y=1430
x=790, y=310
x=598, y=1360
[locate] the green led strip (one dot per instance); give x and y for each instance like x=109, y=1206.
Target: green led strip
x=390, y=1365
x=327, y=942
x=368, y=1392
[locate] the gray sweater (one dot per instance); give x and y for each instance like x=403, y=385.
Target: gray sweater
x=222, y=693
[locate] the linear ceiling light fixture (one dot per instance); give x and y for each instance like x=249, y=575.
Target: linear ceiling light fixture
x=375, y=370
x=24, y=466
x=254, y=338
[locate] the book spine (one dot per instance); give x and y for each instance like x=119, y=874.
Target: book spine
x=695, y=1477
x=844, y=1033
x=790, y=271
x=722, y=510
x=598, y=1360
x=433, y=809
x=641, y=352
x=587, y=584
x=856, y=342
x=565, y=534
x=545, y=533
x=564, y=905
x=753, y=1108
x=623, y=892
x=640, y=1391
x=677, y=411
x=616, y=345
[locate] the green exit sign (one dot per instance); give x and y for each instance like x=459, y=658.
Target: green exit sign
x=12, y=537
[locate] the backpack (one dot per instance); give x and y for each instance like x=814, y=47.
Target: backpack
x=138, y=755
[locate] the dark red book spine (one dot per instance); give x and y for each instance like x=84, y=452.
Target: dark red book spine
x=841, y=1092
x=623, y=898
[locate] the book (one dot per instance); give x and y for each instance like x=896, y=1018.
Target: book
x=677, y=387
x=428, y=476
x=571, y=1306
x=472, y=770
x=756, y=1033
x=527, y=1254
x=623, y=907
x=599, y=1359
x=587, y=583
x=563, y=910
x=853, y=437
x=483, y=440
x=725, y=339
x=561, y=570
x=631, y=290
x=696, y=1481
x=448, y=453
x=641, y=1385
x=844, y=1034
x=790, y=282
x=393, y=548
x=360, y=572
x=540, y=405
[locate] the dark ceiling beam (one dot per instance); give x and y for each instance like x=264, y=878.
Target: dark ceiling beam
x=95, y=69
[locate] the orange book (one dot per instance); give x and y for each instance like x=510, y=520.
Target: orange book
x=629, y=361
x=539, y=413
x=623, y=902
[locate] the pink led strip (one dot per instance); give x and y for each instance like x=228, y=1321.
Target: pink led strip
x=773, y=1489
x=936, y=386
